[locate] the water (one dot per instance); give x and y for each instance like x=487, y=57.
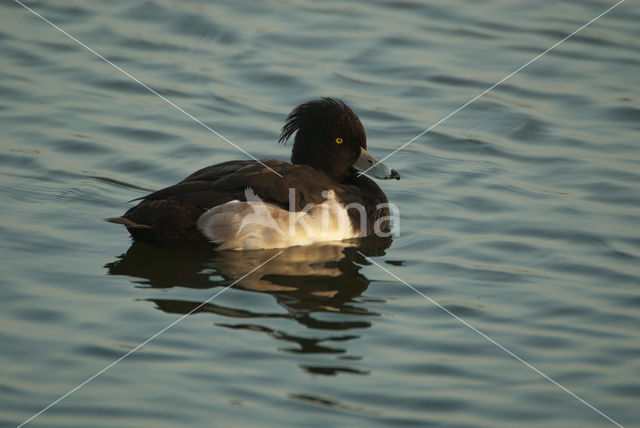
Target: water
x=519, y=214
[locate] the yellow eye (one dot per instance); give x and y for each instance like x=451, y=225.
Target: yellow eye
x=338, y=140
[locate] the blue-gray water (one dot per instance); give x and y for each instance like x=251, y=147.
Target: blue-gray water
x=519, y=214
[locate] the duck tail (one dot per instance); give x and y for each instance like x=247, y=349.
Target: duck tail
x=128, y=223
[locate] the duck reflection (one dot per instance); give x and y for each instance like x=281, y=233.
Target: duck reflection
x=315, y=285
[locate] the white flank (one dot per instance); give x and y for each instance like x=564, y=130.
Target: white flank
x=254, y=224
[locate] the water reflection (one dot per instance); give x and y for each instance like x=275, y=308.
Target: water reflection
x=306, y=281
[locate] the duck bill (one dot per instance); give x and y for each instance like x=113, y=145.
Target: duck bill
x=367, y=164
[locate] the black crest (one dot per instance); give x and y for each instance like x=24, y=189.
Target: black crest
x=321, y=114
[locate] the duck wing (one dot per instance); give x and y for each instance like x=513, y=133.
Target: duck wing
x=218, y=184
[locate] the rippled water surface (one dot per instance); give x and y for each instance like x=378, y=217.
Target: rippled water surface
x=519, y=214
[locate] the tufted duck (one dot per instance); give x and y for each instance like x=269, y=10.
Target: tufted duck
x=241, y=205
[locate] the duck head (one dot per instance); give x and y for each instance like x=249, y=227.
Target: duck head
x=331, y=138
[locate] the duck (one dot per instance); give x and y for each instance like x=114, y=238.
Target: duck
x=324, y=194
